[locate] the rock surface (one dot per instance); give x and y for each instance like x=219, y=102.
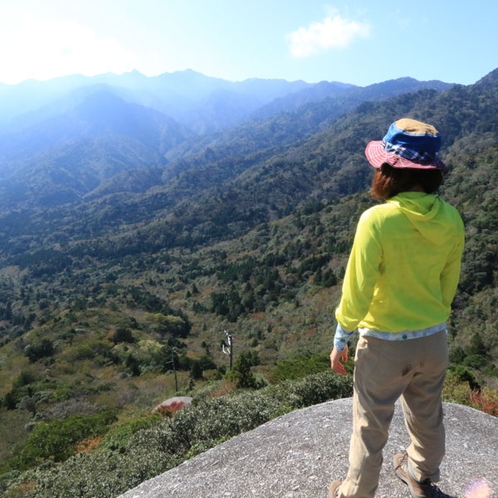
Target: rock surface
x=185, y=400
x=298, y=454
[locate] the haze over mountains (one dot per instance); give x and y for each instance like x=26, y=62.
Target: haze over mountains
x=62, y=139
x=75, y=148
x=206, y=156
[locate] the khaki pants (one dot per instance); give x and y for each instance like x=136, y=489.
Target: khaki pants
x=385, y=371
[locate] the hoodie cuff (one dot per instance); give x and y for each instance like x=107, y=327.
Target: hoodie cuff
x=341, y=338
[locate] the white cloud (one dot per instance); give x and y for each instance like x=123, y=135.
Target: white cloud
x=333, y=32
x=42, y=50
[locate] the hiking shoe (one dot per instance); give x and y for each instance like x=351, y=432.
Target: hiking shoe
x=334, y=489
x=424, y=489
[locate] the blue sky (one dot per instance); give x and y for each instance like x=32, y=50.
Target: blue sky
x=351, y=41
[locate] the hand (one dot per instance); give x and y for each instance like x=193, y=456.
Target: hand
x=335, y=360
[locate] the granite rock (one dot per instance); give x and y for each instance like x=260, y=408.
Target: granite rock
x=298, y=454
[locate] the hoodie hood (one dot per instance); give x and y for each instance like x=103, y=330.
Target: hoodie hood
x=427, y=213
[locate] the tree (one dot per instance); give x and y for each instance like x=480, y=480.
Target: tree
x=477, y=346
x=122, y=335
x=133, y=365
x=241, y=372
x=42, y=349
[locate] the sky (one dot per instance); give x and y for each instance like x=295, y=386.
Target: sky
x=350, y=41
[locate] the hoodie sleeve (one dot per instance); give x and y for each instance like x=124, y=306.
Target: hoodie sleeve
x=361, y=273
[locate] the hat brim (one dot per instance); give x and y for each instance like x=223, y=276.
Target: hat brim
x=377, y=156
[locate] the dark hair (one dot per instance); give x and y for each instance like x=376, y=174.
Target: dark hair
x=388, y=181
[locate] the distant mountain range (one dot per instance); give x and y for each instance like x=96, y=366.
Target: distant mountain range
x=202, y=103
x=63, y=139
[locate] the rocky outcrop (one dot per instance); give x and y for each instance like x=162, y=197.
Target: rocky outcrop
x=298, y=454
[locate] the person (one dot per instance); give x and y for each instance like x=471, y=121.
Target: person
x=401, y=277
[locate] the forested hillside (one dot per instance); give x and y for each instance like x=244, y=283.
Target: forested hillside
x=128, y=253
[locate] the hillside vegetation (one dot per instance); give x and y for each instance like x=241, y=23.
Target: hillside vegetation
x=119, y=293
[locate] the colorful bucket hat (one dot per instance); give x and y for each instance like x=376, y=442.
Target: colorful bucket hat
x=407, y=144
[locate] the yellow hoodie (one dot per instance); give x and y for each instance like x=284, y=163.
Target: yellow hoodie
x=404, y=266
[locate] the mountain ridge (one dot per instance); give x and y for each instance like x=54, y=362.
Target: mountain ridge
x=183, y=86
x=120, y=260
x=96, y=111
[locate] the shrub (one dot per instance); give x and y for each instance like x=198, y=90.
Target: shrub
x=456, y=391
x=491, y=371
x=9, y=401
x=89, y=351
x=134, y=452
x=57, y=440
x=475, y=361
x=167, y=411
x=118, y=437
x=22, y=387
x=122, y=335
x=463, y=374
x=64, y=409
x=39, y=350
x=301, y=366
x=312, y=389
x=486, y=400
x=89, y=444
x=457, y=355
x=25, y=378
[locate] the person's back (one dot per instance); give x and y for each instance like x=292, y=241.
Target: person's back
x=401, y=277
x=418, y=237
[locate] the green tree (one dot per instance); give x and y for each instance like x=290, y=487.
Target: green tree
x=39, y=350
x=241, y=372
x=122, y=335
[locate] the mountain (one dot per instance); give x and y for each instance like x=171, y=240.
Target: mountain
x=181, y=95
x=99, y=127
x=70, y=154
x=350, y=95
x=489, y=81
x=188, y=97
x=131, y=247
x=263, y=168
x=217, y=187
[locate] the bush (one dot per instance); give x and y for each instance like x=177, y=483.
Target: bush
x=25, y=378
x=130, y=454
x=57, y=440
x=301, y=366
x=122, y=335
x=486, y=400
x=463, y=374
x=456, y=390
x=118, y=437
x=475, y=361
x=22, y=387
x=65, y=409
x=319, y=388
x=39, y=350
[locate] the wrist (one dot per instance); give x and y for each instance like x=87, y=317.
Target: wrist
x=341, y=337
